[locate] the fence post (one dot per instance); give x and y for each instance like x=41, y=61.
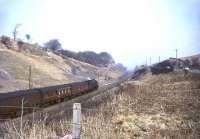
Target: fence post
x=76, y=121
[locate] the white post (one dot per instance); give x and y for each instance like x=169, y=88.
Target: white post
x=76, y=121
x=21, y=122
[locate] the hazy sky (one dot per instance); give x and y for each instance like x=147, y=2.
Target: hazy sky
x=131, y=30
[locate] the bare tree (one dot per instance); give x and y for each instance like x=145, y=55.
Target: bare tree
x=28, y=37
x=6, y=41
x=15, y=31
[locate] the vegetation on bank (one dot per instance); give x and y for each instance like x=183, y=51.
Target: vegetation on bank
x=159, y=106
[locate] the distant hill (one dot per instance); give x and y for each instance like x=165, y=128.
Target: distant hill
x=120, y=67
x=169, y=65
x=193, y=61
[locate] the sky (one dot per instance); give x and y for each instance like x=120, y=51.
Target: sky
x=132, y=31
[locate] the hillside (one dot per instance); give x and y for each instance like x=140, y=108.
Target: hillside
x=47, y=68
x=159, y=106
x=186, y=64
x=193, y=61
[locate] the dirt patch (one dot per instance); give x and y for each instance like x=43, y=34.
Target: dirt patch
x=4, y=76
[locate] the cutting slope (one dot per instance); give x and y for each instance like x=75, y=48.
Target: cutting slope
x=47, y=69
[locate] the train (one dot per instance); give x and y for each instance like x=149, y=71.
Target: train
x=11, y=102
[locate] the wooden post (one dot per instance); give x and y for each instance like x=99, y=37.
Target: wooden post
x=76, y=121
x=97, y=76
x=21, y=122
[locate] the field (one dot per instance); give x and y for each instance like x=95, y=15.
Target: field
x=153, y=107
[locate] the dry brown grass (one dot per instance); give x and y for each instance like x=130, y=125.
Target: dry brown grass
x=144, y=109
x=47, y=69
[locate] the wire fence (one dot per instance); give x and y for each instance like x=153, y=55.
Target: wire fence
x=79, y=127
x=76, y=123
x=19, y=107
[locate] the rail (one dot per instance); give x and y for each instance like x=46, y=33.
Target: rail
x=52, y=110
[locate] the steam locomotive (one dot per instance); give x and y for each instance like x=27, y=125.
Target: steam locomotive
x=11, y=103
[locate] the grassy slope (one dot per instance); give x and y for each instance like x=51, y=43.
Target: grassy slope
x=47, y=69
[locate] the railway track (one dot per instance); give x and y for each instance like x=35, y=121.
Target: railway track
x=59, y=110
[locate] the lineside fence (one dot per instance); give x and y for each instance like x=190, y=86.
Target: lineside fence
x=76, y=124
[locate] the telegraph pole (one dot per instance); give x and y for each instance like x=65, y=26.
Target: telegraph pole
x=150, y=60
x=29, y=77
x=159, y=59
x=176, y=54
x=176, y=59
x=146, y=63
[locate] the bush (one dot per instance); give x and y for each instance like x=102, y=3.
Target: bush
x=53, y=45
x=6, y=41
